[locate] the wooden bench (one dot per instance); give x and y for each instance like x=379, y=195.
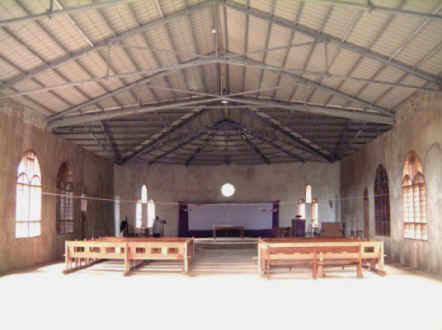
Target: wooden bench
x=134, y=251
x=320, y=253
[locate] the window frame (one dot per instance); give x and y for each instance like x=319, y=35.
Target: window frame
x=382, y=210
x=65, y=212
x=25, y=188
x=413, y=189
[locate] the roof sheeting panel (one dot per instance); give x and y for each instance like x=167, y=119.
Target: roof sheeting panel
x=344, y=62
x=257, y=37
x=145, y=11
x=396, y=34
x=18, y=54
x=235, y=74
x=181, y=33
x=269, y=80
x=317, y=59
x=159, y=39
x=340, y=21
x=279, y=36
x=235, y=30
x=287, y=9
x=119, y=18
x=369, y=26
x=66, y=32
x=252, y=79
x=140, y=53
x=202, y=23
x=118, y=59
x=171, y=6
x=314, y=14
x=93, y=24
x=287, y=85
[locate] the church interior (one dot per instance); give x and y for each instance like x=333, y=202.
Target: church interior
x=221, y=163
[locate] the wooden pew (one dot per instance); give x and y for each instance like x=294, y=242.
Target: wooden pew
x=133, y=250
x=320, y=253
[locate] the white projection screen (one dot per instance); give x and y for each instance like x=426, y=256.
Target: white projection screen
x=252, y=216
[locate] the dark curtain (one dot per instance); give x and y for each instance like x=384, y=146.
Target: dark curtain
x=275, y=219
x=183, y=220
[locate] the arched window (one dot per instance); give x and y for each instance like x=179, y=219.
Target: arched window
x=65, y=200
x=308, y=194
x=315, y=213
x=150, y=213
x=301, y=208
x=382, y=202
x=414, y=199
x=28, y=197
x=139, y=215
x=144, y=194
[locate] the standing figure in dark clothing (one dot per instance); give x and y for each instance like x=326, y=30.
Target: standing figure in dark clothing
x=124, y=227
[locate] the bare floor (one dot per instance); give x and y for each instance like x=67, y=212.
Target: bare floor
x=223, y=291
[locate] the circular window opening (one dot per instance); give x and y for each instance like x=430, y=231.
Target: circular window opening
x=227, y=189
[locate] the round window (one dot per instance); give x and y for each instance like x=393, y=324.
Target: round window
x=227, y=189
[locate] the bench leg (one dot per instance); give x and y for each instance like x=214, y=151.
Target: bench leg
x=359, y=270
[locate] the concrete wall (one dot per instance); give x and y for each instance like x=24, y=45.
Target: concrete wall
x=20, y=131
x=418, y=128
x=168, y=184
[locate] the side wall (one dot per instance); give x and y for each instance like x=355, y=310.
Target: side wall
x=91, y=174
x=168, y=184
x=418, y=128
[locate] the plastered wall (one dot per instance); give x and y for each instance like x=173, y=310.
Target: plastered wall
x=20, y=131
x=168, y=184
x=418, y=128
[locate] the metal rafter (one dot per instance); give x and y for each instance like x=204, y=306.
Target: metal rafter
x=318, y=109
x=196, y=47
x=65, y=11
x=305, y=81
x=146, y=145
x=296, y=137
x=265, y=139
x=105, y=43
x=379, y=34
x=267, y=42
x=202, y=147
x=330, y=38
x=255, y=148
x=312, y=49
x=370, y=7
x=292, y=38
x=209, y=59
x=172, y=42
x=396, y=52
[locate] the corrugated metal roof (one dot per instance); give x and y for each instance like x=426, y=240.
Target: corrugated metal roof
x=37, y=54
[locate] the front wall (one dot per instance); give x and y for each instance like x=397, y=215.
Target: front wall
x=168, y=184
x=17, y=137
x=418, y=128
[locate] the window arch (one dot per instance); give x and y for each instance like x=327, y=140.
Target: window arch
x=144, y=194
x=301, y=208
x=382, y=202
x=139, y=215
x=414, y=199
x=315, y=212
x=150, y=213
x=28, y=197
x=65, y=200
x=308, y=194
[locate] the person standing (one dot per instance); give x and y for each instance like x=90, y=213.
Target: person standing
x=158, y=227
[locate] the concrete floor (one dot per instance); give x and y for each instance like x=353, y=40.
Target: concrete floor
x=97, y=299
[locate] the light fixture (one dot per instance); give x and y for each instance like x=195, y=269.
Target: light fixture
x=224, y=101
x=213, y=31
x=227, y=189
